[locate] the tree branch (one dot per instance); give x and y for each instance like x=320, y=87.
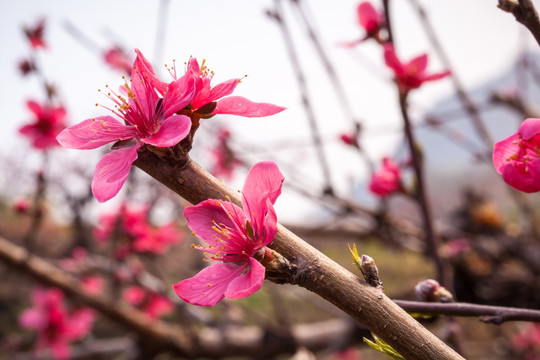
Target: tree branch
x=487, y=313
x=316, y=272
x=525, y=13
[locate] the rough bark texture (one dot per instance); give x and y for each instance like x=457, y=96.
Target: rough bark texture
x=316, y=272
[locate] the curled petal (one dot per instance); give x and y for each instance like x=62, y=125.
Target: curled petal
x=143, y=66
x=248, y=282
x=173, y=129
x=209, y=286
x=529, y=128
x=237, y=105
x=112, y=171
x=179, y=94
x=93, y=133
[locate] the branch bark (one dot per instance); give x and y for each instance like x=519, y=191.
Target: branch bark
x=316, y=272
x=525, y=13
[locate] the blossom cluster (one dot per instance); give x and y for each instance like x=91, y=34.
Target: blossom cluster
x=154, y=113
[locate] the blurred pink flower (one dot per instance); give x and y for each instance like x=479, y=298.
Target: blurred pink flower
x=349, y=139
x=48, y=122
x=225, y=161
x=527, y=342
x=233, y=105
x=153, y=305
x=118, y=59
x=387, y=179
x=371, y=20
x=136, y=233
x=148, y=119
x=517, y=157
x=56, y=327
x=412, y=74
x=35, y=34
x=234, y=237
x=22, y=206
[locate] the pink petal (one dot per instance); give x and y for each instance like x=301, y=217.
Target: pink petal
x=223, y=89
x=33, y=318
x=112, y=171
x=61, y=350
x=179, y=94
x=201, y=218
x=503, y=150
x=368, y=17
x=80, y=323
x=518, y=181
x=529, y=128
x=260, y=192
x=436, y=76
x=391, y=59
x=144, y=68
x=417, y=65
x=173, y=129
x=208, y=287
x=34, y=107
x=237, y=105
x=248, y=282
x=269, y=224
x=264, y=180
x=93, y=133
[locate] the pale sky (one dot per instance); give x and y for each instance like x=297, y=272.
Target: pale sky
x=237, y=38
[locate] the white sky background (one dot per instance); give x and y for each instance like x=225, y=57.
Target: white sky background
x=237, y=38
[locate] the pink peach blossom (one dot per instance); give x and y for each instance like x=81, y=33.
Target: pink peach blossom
x=48, y=122
x=148, y=119
x=136, y=234
x=152, y=304
x=234, y=236
x=117, y=59
x=225, y=160
x=56, y=327
x=387, y=179
x=517, y=157
x=412, y=74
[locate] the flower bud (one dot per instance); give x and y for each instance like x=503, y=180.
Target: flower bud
x=431, y=291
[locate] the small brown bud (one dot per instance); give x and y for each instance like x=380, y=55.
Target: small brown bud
x=370, y=271
x=431, y=291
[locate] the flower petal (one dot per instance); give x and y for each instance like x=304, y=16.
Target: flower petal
x=237, y=105
x=173, y=129
x=112, y=171
x=417, y=66
x=179, y=94
x=391, y=59
x=503, y=150
x=260, y=191
x=202, y=218
x=519, y=181
x=529, y=128
x=223, y=89
x=208, y=287
x=93, y=133
x=144, y=67
x=33, y=318
x=436, y=76
x=368, y=17
x=35, y=108
x=80, y=323
x=246, y=283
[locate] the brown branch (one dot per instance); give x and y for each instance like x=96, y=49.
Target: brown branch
x=525, y=13
x=316, y=272
x=487, y=313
